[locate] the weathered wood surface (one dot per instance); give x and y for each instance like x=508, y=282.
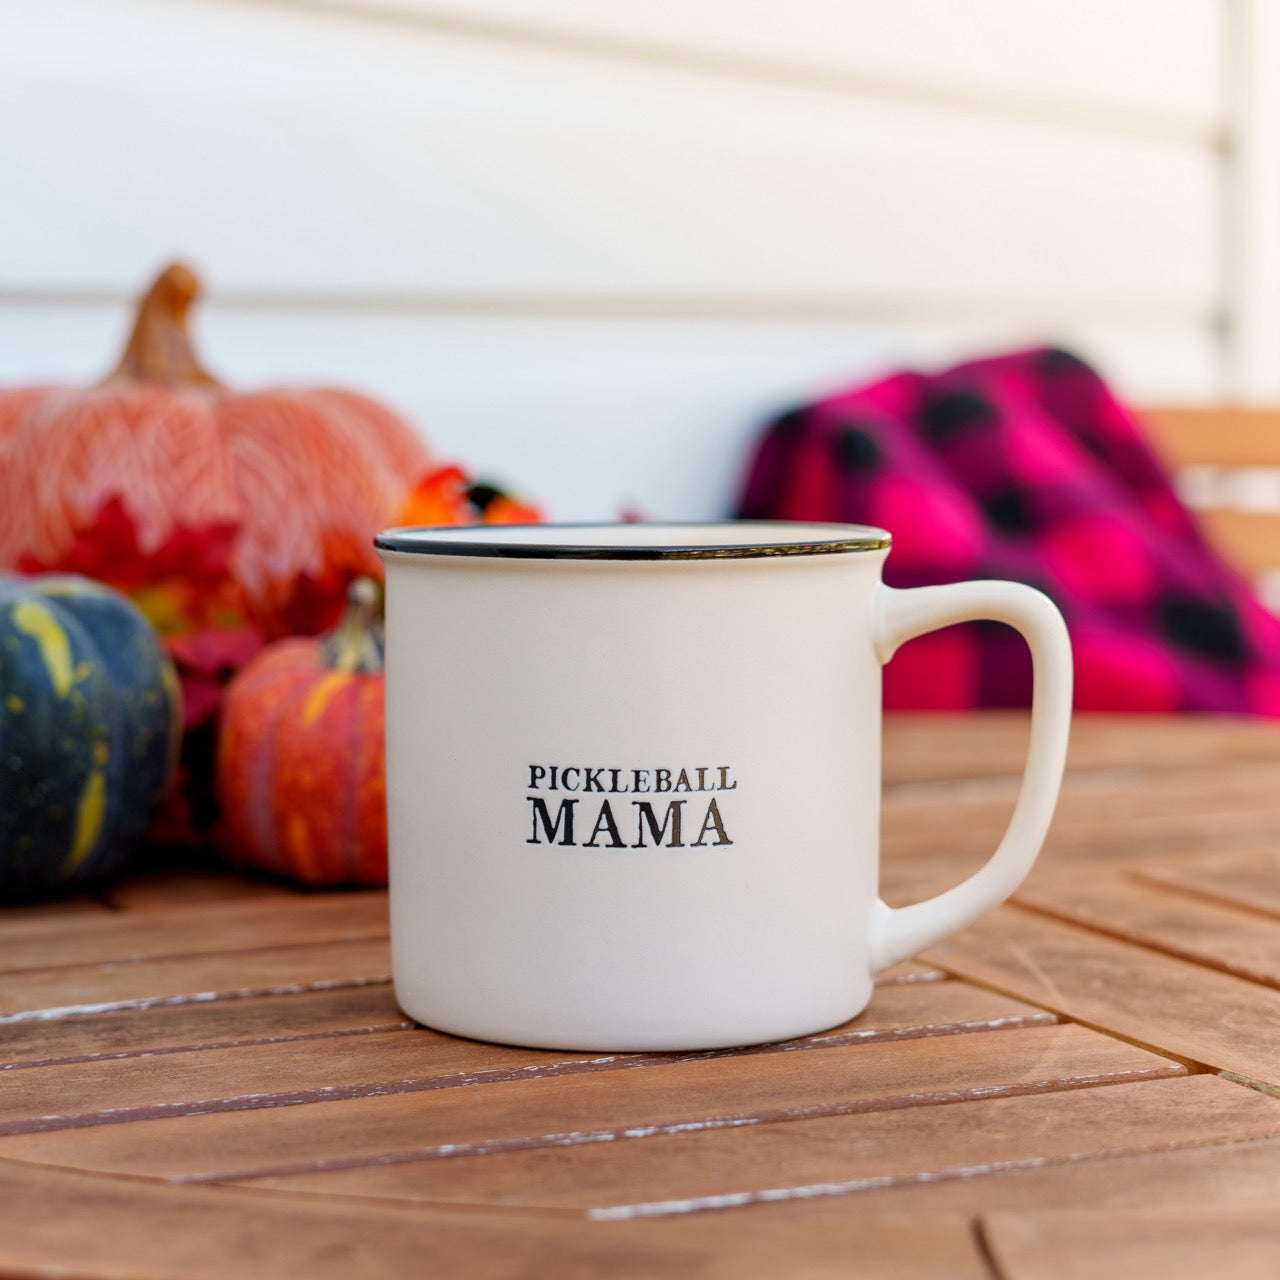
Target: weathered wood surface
x=127, y=936
x=202, y=1075
x=1248, y=879
x=829, y=1158
x=66, y=1223
x=1098, y=1245
x=610, y=1101
x=131, y=984
x=1218, y=1020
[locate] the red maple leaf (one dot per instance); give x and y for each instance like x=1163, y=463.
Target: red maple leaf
x=185, y=584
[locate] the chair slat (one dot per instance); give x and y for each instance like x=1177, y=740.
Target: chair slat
x=1218, y=436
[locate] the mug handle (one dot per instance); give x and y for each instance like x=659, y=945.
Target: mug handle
x=897, y=934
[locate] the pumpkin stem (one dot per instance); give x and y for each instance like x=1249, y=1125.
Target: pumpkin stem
x=159, y=348
x=356, y=643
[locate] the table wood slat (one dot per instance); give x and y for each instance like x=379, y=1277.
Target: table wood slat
x=192, y=979
x=934, y=747
x=607, y=1105
x=908, y=971
x=1173, y=1005
x=1183, y=1177
x=292, y=1070
x=842, y=1156
x=1136, y=813
x=202, y=1025
x=1248, y=879
x=1211, y=934
x=1241, y=1242
x=64, y=1222
x=78, y=990
x=121, y=937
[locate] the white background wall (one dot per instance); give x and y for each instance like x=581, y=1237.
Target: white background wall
x=589, y=245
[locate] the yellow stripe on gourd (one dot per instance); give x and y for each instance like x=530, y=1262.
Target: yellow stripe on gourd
x=321, y=695
x=37, y=622
x=90, y=810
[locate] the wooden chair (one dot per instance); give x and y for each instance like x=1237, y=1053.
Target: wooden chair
x=1226, y=462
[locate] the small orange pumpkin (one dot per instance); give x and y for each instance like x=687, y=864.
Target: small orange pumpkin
x=301, y=778
x=290, y=484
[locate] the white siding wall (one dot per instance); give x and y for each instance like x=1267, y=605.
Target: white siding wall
x=588, y=247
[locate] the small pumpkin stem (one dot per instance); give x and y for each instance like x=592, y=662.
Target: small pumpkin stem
x=356, y=643
x=159, y=348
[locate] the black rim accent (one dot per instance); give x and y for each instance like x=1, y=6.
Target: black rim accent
x=843, y=540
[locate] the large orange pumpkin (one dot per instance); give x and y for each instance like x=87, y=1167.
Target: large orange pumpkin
x=291, y=485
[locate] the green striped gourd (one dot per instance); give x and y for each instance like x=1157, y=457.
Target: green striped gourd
x=90, y=721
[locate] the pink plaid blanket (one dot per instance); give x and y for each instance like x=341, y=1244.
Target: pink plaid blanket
x=1026, y=466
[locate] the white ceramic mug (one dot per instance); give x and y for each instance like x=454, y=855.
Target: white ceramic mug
x=633, y=777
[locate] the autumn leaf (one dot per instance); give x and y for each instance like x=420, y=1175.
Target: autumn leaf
x=446, y=496
x=185, y=584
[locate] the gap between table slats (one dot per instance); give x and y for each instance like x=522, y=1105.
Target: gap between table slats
x=601, y=1106
x=843, y=1157
x=1209, y=933
x=297, y=1071
x=1248, y=879
x=1195, y=1013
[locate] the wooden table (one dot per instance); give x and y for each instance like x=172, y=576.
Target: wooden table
x=208, y=1076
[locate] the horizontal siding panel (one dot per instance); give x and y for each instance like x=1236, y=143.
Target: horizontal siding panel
x=590, y=415
x=1078, y=55
x=293, y=151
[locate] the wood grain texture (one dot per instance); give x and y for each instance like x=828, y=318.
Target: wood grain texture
x=1174, y=1005
x=1181, y=1177
x=285, y=1073
x=287, y=1070
x=1249, y=879
x=59, y=1222
x=122, y=937
x=1096, y=1245
x=842, y=1157
x=200, y=1025
x=933, y=748
x=1214, y=935
x=933, y=836
x=1134, y=812
x=98, y=988
x=599, y=1106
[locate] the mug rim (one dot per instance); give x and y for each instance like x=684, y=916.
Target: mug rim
x=574, y=540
